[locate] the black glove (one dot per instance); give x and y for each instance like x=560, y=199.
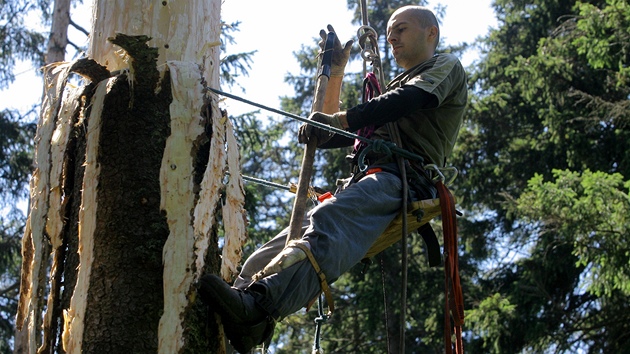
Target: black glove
x=307, y=130
x=340, y=54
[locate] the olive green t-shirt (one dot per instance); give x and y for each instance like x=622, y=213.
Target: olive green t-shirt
x=431, y=133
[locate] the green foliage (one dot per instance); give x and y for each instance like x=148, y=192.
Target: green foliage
x=591, y=210
x=17, y=40
x=568, y=281
x=490, y=319
x=15, y=156
x=11, y=229
x=603, y=37
x=549, y=103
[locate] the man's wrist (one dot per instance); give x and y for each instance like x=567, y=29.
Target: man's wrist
x=343, y=119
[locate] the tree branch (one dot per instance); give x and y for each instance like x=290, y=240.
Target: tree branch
x=81, y=29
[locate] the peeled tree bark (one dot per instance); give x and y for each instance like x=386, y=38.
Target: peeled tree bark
x=129, y=179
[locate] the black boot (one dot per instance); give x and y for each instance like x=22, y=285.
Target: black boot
x=246, y=324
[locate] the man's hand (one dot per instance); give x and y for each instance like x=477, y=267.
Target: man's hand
x=307, y=130
x=340, y=54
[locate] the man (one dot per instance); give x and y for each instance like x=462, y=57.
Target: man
x=427, y=104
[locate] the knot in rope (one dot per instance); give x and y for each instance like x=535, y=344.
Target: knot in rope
x=382, y=146
x=378, y=146
x=319, y=321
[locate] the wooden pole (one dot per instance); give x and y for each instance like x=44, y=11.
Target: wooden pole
x=306, y=171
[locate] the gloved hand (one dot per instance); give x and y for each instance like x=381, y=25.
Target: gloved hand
x=340, y=54
x=307, y=130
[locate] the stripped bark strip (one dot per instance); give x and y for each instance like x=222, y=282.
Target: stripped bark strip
x=34, y=241
x=209, y=195
x=74, y=317
x=178, y=199
x=58, y=146
x=57, y=203
x=234, y=215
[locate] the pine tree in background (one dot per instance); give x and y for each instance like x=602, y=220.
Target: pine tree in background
x=543, y=159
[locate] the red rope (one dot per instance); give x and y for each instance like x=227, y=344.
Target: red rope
x=454, y=298
x=371, y=89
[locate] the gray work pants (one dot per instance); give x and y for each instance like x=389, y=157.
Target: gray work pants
x=340, y=231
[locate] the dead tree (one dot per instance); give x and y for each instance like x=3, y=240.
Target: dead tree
x=128, y=184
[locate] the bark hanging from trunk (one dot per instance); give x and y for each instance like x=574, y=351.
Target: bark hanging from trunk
x=129, y=174
x=35, y=245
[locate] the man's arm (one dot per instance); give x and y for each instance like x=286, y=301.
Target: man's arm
x=389, y=107
x=331, y=106
x=333, y=92
x=331, y=99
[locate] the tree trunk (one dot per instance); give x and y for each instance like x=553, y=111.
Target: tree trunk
x=58, y=39
x=128, y=181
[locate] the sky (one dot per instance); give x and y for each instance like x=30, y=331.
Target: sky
x=276, y=38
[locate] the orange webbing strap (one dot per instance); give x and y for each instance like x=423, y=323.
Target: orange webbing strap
x=453, y=289
x=322, y=278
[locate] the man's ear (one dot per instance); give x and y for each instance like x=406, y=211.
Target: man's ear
x=434, y=35
x=433, y=32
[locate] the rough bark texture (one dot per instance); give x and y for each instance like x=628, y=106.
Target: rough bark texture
x=127, y=186
x=125, y=281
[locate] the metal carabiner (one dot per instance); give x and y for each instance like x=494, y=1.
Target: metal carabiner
x=438, y=171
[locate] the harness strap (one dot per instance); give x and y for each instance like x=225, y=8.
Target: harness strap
x=322, y=277
x=453, y=290
x=433, y=246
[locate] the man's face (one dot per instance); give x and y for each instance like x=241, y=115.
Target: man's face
x=411, y=43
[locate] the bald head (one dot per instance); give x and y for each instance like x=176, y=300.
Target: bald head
x=425, y=17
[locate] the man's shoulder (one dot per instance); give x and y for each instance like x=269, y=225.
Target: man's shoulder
x=447, y=59
x=447, y=56
x=441, y=61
